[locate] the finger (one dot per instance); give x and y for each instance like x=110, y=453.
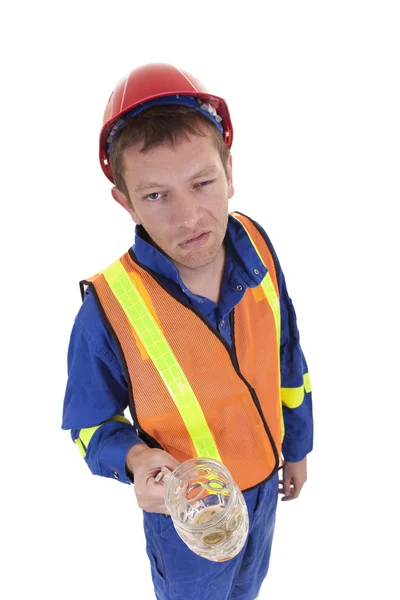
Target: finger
x=287, y=483
x=284, y=482
x=286, y=498
x=294, y=492
x=156, y=491
x=297, y=489
x=155, y=486
x=287, y=488
x=288, y=494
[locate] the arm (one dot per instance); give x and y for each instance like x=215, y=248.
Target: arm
x=296, y=402
x=295, y=385
x=96, y=397
x=95, y=400
x=295, y=394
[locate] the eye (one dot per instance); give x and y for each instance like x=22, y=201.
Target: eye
x=152, y=197
x=204, y=183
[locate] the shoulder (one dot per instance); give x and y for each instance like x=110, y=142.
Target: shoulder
x=94, y=329
x=262, y=232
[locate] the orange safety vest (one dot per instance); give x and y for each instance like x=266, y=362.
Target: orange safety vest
x=190, y=393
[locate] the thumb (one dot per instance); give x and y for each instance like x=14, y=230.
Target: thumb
x=169, y=463
x=166, y=471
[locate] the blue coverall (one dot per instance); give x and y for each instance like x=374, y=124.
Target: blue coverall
x=97, y=391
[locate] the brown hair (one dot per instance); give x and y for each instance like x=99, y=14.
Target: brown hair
x=161, y=125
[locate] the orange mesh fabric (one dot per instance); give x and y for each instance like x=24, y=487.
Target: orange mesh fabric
x=248, y=445
x=258, y=353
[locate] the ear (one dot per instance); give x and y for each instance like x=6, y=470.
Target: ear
x=231, y=189
x=125, y=202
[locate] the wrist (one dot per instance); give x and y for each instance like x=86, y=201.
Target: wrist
x=133, y=455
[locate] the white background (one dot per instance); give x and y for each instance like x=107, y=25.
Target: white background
x=313, y=90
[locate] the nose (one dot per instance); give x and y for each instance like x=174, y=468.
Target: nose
x=186, y=210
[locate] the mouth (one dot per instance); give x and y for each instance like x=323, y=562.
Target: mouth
x=195, y=242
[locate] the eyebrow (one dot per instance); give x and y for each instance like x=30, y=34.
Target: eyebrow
x=147, y=184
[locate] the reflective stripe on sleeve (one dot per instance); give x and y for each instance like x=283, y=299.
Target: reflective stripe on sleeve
x=293, y=397
x=85, y=435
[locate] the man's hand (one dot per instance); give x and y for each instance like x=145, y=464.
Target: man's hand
x=294, y=477
x=145, y=463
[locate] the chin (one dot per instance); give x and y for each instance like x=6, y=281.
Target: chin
x=198, y=259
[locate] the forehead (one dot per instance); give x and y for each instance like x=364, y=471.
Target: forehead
x=185, y=157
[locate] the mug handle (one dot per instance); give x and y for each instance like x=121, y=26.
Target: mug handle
x=163, y=477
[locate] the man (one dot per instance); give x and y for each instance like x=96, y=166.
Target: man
x=193, y=329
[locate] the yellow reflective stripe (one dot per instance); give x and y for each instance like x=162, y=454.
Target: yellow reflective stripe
x=85, y=435
x=119, y=418
x=80, y=447
x=307, y=383
x=272, y=298
x=292, y=397
x=163, y=358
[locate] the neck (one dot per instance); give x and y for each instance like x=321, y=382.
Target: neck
x=206, y=280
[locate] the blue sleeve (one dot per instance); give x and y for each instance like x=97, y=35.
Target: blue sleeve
x=97, y=395
x=298, y=420
x=295, y=383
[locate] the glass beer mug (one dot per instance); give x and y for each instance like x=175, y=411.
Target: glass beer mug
x=208, y=509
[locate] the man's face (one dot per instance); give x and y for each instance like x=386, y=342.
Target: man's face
x=179, y=193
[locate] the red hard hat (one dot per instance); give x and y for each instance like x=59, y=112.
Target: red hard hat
x=147, y=83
